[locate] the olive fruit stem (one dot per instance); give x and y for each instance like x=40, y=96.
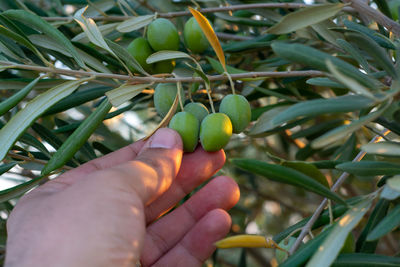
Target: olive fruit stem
x=230, y=81
x=208, y=89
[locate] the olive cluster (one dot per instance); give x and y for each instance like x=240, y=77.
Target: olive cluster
x=194, y=122
x=163, y=35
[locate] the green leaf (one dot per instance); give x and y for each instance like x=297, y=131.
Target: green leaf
x=6, y=167
x=308, y=169
x=12, y=101
x=26, y=116
x=384, y=148
x=370, y=168
x=394, y=183
x=316, y=59
x=41, y=25
x=285, y=175
x=375, y=51
x=355, y=53
x=305, y=252
x=18, y=190
x=326, y=82
x=376, y=216
x=125, y=92
x=317, y=107
x=77, y=139
x=330, y=248
x=350, y=83
x=305, y=17
x=324, y=29
x=264, y=122
x=389, y=193
x=386, y=225
x=345, y=130
x=365, y=260
x=103, y=29
x=135, y=23
x=47, y=135
x=167, y=55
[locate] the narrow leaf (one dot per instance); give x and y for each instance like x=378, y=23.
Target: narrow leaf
x=210, y=34
x=308, y=169
x=167, y=55
x=305, y=17
x=346, y=103
x=384, y=148
x=77, y=139
x=41, y=25
x=37, y=106
x=12, y=101
x=135, y=23
x=285, y=175
x=365, y=260
x=18, y=190
x=370, y=168
x=125, y=92
x=6, y=167
x=330, y=248
x=389, y=223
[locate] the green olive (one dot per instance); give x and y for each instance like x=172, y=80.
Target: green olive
x=164, y=96
x=194, y=37
x=215, y=131
x=238, y=110
x=163, y=35
x=165, y=66
x=197, y=109
x=187, y=125
x=141, y=50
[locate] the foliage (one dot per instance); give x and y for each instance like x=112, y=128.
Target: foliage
x=322, y=81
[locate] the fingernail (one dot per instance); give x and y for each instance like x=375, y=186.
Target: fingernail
x=163, y=138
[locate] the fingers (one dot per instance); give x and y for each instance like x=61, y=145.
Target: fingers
x=154, y=168
x=196, y=168
x=198, y=243
x=220, y=193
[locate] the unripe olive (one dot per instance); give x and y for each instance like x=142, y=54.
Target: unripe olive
x=238, y=110
x=187, y=125
x=165, y=66
x=194, y=37
x=163, y=35
x=141, y=50
x=215, y=131
x=197, y=109
x=164, y=96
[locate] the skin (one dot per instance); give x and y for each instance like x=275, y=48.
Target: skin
x=104, y=212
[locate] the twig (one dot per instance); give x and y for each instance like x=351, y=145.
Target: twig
x=39, y=161
x=203, y=10
x=146, y=5
x=364, y=9
x=306, y=228
x=227, y=36
x=153, y=79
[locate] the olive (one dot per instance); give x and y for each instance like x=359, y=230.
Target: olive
x=215, y=131
x=197, y=109
x=238, y=110
x=163, y=35
x=141, y=50
x=194, y=37
x=187, y=125
x=165, y=66
x=164, y=96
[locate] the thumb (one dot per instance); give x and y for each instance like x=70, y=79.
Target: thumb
x=157, y=164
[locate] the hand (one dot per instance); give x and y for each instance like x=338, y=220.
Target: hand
x=104, y=212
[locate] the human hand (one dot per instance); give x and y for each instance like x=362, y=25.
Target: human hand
x=104, y=212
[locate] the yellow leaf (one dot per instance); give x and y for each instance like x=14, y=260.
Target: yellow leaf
x=247, y=241
x=167, y=117
x=210, y=34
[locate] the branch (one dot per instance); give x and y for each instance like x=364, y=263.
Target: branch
x=154, y=79
x=364, y=9
x=203, y=10
x=39, y=161
x=307, y=228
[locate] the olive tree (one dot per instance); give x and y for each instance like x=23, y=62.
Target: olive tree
x=303, y=97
